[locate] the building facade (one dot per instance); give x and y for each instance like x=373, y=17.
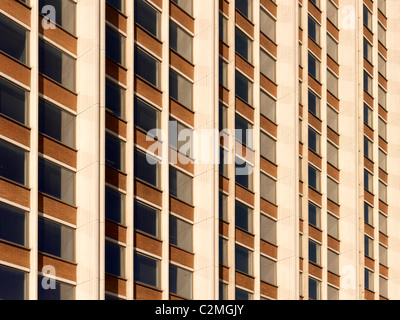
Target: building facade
x=184, y=149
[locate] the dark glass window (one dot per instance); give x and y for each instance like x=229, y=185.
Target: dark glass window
x=180, y=282
x=314, y=254
x=180, y=41
x=147, y=219
x=64, y=13
x=314, y=141
x=243, y=45
x=185, y=5
x=181, y=89
x=12, y=163
x=12, y=224
x=115, y=206
x=13, y=284
x=13, y=101
x=115, y=46
x=242, y=295
x=244, y=174
x=314, y=213
x=13, y=39
x=243, y=217
x=313, y=30
x=144, y=170
x=114, y=259
x=243, y=88
x=146, y=117
x=62, y=291
x=243, y=260
x=245, y=8
x=313, y=178
x=115, y=153
x=313, y=104
x=147, y=67
x=313, y=289
x=117, y=4
x=180, y=185
x=147, y=17
x=180, y=233
x=115, y=99
x=243, y=131
x=147, y=270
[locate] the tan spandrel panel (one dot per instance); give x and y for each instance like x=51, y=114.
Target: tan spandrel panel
x=224, y=273
x=315, y=270
x=15, y=255
x=180, y=256
x=15, y=70
x=369, y=4
x=383, y=113
x=145, y=293
x=116, y=18
x=181, y=208
x=334, y=279
x=301, y=149
x=148, y=244
x=244, y=195
x=141, y=140
x=300, y=34
x=116, y=125
x=115, y=231
x=301, y=264
x=382, y=18
x=115, y=285
x=268, y=45
x=244, y=238
x=368, y=66
x=316, y=13
x=244, y=24
x=18, y=10
x=116, y=71
x=268, y=208
x=315, y=233
x=244, y=66
x=181, y=64
x=269, y=167
x=301, y=72
x=244, y=109
x=269, y=249
x=301, y=185
x=244, y=281
x=382, y=81
x=57, y=151
x=268, y=85
x=56, y=92
x=63, y=269
x=60, y=36
x=333, y=244
x=244, y=152
x=333, y=207
x=269, y=290
x=382, y=50
x=148, y=91
x=301, y=225
x=368, y=197
x=181, y=112
x=15, y=193
x=148, y=193
x=383, y=144
x=116, y=178
x=15, y=131
x=56, y=209
x=182, y=17
x=173, y=297
x=368, y=99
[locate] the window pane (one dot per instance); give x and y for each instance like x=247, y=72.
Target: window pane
x=333, y=226
x=268, y=147
x=314, y=66
x=383, y=255
x=368, y=214
x=314, y=103
x=13, y=284
x=333, y=262
x=332, y=47
x=144, y=170
x=12, y=224
x=243, y=217
x=314, y=140
x=382, y=192
x=56, y=123
x=13, y=163
x=245, y=8
x=333, y=293
x=243, y=88
x=313, y=289
x=383, y=287
x=367, y=48
x=223, y=251
x=382, y=160
x=243, y=260
x=56, y=239
x=115, y=206
x=367, y=115
x=368, y=183
x=146, y=117
x=13, y=39
x=367, y=17
x=185, y=5
x=332, y=13
x=244, y=173
x=368, y=247
x=383, y=223
x=243, y=131
x=147, y=270
x=147, y=67
x=268, y=270
x=147, y=17
x=367, y=83
x=267, y=24
x=313, y=30
x=62, y=291
x=146, y=219
x=180, y=41
x=117, y=4
x=314, y=215
x=223, y=206
x=333, y=190
x=180, y=185
x=332, y=119
x=332, y=83
x=268, y=188
x=332, y=154
x=180, y=282
x=368, y=279
x=180, y=233
x=268, y=229
x=223, y=28
x=115, y=46
x=267, y=66
x=267, y=106
x=382, y=128
x=314, y=252
x=180, y=138
x=65, y=13
x=382, y=97
x=115, y=99
x=13, y=101
x=180, y=89
x=115, y=153
x=242, y=295
x=114, y=259
x=314, y=178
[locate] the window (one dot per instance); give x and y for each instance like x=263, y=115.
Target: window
x=332, y=13
x=382, y=192
x=180, y=282
x=267, y=65
x=314, y=178
x=314, y=252
x=314, y=68
x=13, y=101
x=367, y=115
x=368, y=214
x=332, y=118
x=114, y=259
x=147, y=168
x=223, y=251
x=367, y=50
x=180, y=185
x=332, y=83
x=115, y=99
x=146, y=117
x=333, y=226
x=313, y=30
x=382, y=65
x=314, y=215
x=244, y=173
x=382, y=6
x=223, y=73
x=13, y=163
x=114, y=206
x=118, y=4
x=367, y=82
x=367, y=18
x=368, y=181
x=243, y=45
x=13, y=284
x=383, y=255
x=268, y=147
x=223, y=116
x=243, y=217
x=381, y=34
x=147, y=219
x=314, y=104
x=314, y=140
x=180, y=233
x=368, y=148
x=13, y=39
x=115, y=153
x=314, y=289
x=368, y=279
x=333, y=262
x=147, y=270
x=383, y=287
x=268, y=229
x=382, y=128
x=368, y=247
x=223, y=291
x=382, y=97
x=267, y=106
x=223, y=28
x=147, y=67
x=332, y=47
x=65, y=13
x=382, y=223
x=147, y=17
x=332, y=155
x=13, y=224
x=242, y=295
x=333, y=293
x=223, y=206
x=181, y=89
x=62, y=291
x=185, y=5
x=268, y=270
x=382, y=160
x=56, y=239
x=57, y=65
x=56, y=123
x=243, y=88
x=268, y=188
x=243, y=131
x=115, y=46
x=243, y=260
x=180, y=41
x=268, y=25
x=245, y=8
x=316, y=3
x=301, y=245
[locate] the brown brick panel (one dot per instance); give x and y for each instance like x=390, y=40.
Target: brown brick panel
x=383, y=144
x=268, y=85
x=300, y=149
x=140, y=139
x=224, y=228
x=315, y=49
x=181, y=64
x=181, y=161
x=148, y=244
x=382, y=112
x=300, y=35
x=269, y=290
x=115, y=231
x=244, y=66
x=301, y=111
x=146, y=293
x=333, y=65
x=180, y=256
x=56, y=92
x=15, y=69
x=245, y=24
x=334, y=279
x=369, y=295
x=268, y=44
x=333, y=172
x=368, y=99
x=315, y=233
x=15, y=255
x=244, y=109
x=383, y=239
x=182, y=17
x=383, y=207
x=244, y=281
x=116, y=18
x=382, y=18
x=17, y=9
x=148, y=193
x=333, y=136
x=116, y=125
x=116, y=178
x=57, y=151
x=244, y=195
x=224, y=183
x=301, y=75
x=315, y=122
x=270, y=6
x=56, y=209
x=382, y=50
x=245, y=152
x=332, y=30
x=269, y=167
x=333, y=207
x=315, y=270
x=383, y=176
x=301, y=262
x=244, y=238
x=181, y=208
x=368, y=196
x=315, y=196
x=173, y=297
x=315, y=85
x=369, y=263
x=333, y=243
x=148, y=91
x=368, y=34
x=300, y=187
x=384, y=270
x=158, y=3
x=115, y=285
x=332, y=100
x=224, y=94
x=224, y=273
x=224, y=6
x=15, y=193
x=315, y=159
x=116, y=71
x=224, y=50
x=369, y=4
x=60, y=36
x=176, y=109
x=369, y=132
x=224, y=139
x=314, y=11
x=64, y=269
x=368, y=66
x=268, y=249
x=301, y=225
x=369, y=230
x=268, y=208
x=15, y=131
x=382, y=81
x=269, y=126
